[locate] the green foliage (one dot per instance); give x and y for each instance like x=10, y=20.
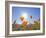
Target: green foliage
x=35, y=26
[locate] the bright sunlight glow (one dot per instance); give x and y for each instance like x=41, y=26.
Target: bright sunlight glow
x=25, y=15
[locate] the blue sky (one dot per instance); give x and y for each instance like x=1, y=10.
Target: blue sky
x=19, y=11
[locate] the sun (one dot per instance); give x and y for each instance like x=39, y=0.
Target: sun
x=25, y=15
